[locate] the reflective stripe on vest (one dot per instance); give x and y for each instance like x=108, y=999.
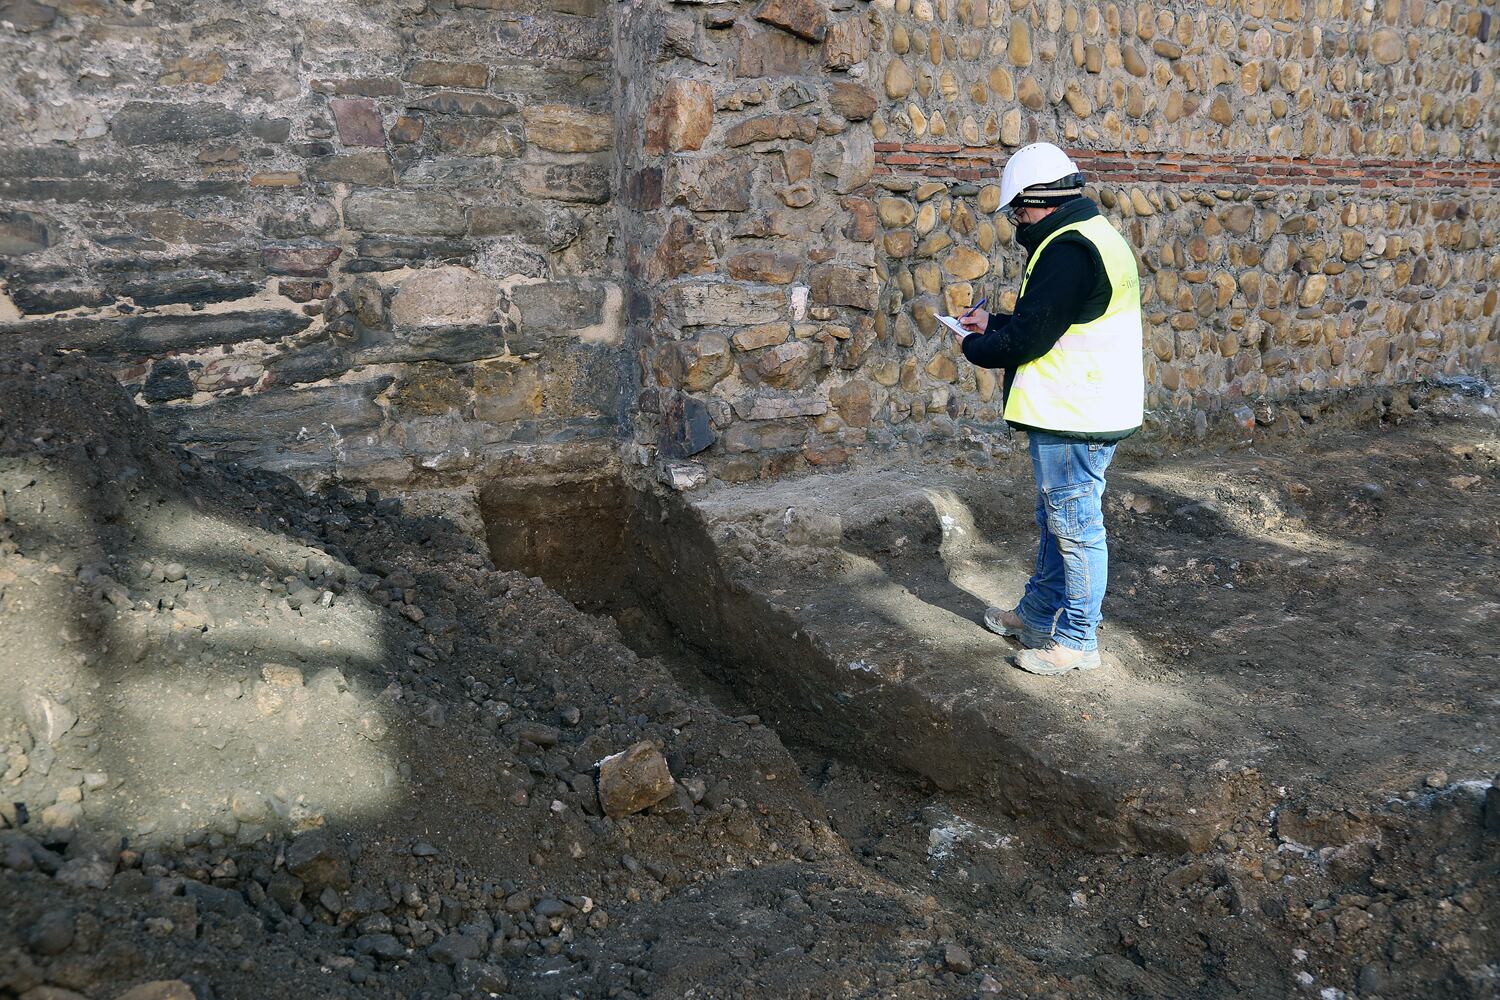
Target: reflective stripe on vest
x=1093, y=380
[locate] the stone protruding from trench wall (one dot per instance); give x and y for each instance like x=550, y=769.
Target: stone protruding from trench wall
x=372, y=239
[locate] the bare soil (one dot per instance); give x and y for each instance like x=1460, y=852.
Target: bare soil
x=262, y=741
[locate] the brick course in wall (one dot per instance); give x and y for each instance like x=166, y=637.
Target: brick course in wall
x=976, y=163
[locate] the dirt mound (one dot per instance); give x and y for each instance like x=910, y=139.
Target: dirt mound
x=252, y=736
x=258, y=741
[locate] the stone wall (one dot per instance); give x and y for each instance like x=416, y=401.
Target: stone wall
x=749, y=228
x=371, y=238
x=1313, y=192
x=400, y=240
x=1312, y=189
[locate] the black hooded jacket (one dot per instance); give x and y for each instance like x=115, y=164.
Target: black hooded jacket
x=1068, y=285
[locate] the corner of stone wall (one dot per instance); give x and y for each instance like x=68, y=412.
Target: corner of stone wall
x=749, y=232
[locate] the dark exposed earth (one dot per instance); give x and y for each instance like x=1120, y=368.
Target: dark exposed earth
x=257, y=740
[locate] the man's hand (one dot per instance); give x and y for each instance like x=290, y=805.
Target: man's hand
x=974, y=321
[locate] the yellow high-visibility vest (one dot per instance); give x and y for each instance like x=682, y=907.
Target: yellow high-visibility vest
x=1093, y=380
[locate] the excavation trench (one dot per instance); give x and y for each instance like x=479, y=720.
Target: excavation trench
x=676, y=576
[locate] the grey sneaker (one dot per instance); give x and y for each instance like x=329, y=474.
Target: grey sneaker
x=1008, y=623
x=1055, y=659
x=1002, y=622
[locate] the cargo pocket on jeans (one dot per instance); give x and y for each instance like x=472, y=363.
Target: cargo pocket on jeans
x=1065, y=506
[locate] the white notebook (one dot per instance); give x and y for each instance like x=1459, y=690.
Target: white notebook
x=953, y=324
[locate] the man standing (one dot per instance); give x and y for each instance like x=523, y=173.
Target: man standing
x=1074, y=382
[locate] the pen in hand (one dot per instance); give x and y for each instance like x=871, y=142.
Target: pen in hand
x=969, y=313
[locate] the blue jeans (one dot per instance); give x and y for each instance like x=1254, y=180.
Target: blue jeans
x=1066, y=592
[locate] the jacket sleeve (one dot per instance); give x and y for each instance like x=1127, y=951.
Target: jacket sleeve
x=1054, y=296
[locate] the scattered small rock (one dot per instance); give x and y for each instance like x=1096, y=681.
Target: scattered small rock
x=52, y=933
x=319, y=861
x=48, y=718
x=633, y=780
x=958, y=960
x=282, y=676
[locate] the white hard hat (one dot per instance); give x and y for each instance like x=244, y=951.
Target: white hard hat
x=1039, y=174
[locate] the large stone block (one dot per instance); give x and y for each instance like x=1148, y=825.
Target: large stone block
x=22, y=233
x=505, y=392
x=785, y=366
x=685, y=248
x=765, y=435
x=285, y=429
x=710, y=184
x=847, y=43
x=585, y=183
x=545, y=36
x=480, y=137
x=559, y=305
x=429, y=390
x=429, y=73
x=308, y=261
x=468, y=105
x=701, y=363
x=418, y=213
x=27, y=16
x=183, y=288
x=450, y=344
x=764, y=266
x=633, y=780
x=364, y=169
x=686, y=427
x=541, y=223
x=561, y=128
x=681, y=118
x=768, y=128
x=444, y=296
x=152, y=335
x=151, y=123
x=765, y=52
x=691, y=304
x=854, y=403
x=835, y=284
x=167, y=380
x=545, y=81
x=358, y=121
x=854, y=101
x=803, y=18
x=849, y=159
x=764, y=405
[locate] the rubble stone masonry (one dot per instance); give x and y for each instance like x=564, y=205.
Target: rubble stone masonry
x=401, y=240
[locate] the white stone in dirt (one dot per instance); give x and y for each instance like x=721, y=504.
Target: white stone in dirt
x=248, y=806
x=682, y=476
x=444, y=296
x=633, y=780
x=48, y=719
x=281, y=675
